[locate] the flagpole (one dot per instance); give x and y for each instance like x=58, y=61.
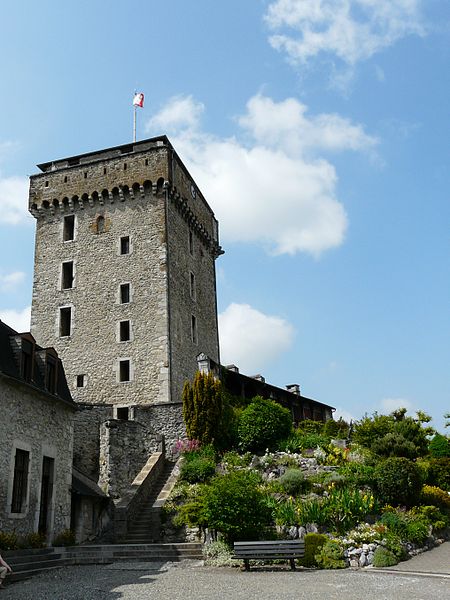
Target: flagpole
x=134, y=123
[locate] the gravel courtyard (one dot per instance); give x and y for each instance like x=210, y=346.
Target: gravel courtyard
x=191, y=581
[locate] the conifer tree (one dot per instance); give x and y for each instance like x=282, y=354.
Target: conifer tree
x=203, y=409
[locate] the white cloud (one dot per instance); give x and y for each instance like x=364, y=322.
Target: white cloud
x=352, y=30
x=17, y=319
x=11, y=281
x=275, y=189
x=341, y=413
x=180, y=112
x=388, y=405
x=251, y=339
x=14, y=200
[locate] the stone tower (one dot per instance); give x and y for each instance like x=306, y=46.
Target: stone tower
x=124, y=279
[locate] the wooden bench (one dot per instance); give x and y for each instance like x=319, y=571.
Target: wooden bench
x=277, y=549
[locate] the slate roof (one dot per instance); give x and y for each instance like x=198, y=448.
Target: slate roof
x=10, y=367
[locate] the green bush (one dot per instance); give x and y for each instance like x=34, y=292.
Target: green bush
x=331, y=555
x=313, y=543
x=357, y=474
x=299, y=441
x=417, y=530
x=336, y=429
x=293, y=482
x=263, y=424
x=193, y=512
x=236, y=507
x=382, y=557
x=439, y=473
x=395, y=522
x=8, y=541
x=309, y=426
x=65, y=538
x=432, y=495
x=439, y=446
x=343, y=509
x=34, y=540
x=398, y=481
x=198, y=470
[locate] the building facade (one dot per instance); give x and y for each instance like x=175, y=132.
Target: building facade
x=124, y=278
x=36, y=438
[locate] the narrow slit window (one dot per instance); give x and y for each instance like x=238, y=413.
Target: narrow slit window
x=81, y=381
x=124, y=293
x=69, y=228
x=67, y=277
x=124, y=370
x=125, y=244
x=65, y=321
x=194, y=329
x=124, y=331
x=192, y=285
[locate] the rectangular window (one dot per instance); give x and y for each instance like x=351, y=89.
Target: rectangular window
x=192, y=290
x=69, y=228
x=20, y=482
x=81, y=381
x=65, y=321
x=124, y=370
x=26, y=365
x=67, y=275
x=194, y=329
x=191, y=243
x=124, y=331
x=123, y=413
x=125, y=244
x=124, y=293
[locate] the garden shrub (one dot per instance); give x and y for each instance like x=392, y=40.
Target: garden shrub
x=343, y=509
x=382, y=557
x=233, y=460
x=311, y=511
x=395, y=522
x=293, y=482
x=8, y=541
x=439, y=473
x=398, y=481
x=308, y=426
x=218, y=554
x=331, y=555
x=285, y=512
x=439, y=446
x=432, y=495
x=236, y=507
x=336, y=429
x=299, y=441
x=34, y=540
x=417, y=530
x=433, y=516
x=393, y=543
x=192, y=511
x=263, y=424
x=197, y=470
x=357, y=474
x=65, y=538
x=313, y=543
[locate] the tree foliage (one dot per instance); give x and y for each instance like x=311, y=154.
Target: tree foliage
x=263, y=424
x=394, y=434
x=398, y=481
x=206, y=413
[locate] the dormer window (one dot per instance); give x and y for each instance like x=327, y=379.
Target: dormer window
x=26, y=360
x=51, y=370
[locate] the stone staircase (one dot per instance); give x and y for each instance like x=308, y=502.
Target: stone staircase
x=26, y=563
x=146, y=528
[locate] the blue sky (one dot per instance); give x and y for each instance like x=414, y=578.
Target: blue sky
x=318, y=131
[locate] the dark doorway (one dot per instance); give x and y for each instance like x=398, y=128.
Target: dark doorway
x=48, y=465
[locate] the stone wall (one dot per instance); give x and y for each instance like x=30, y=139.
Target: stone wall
x=86, y=446
x=43, y=426
x=166, y=419
x=125, y=447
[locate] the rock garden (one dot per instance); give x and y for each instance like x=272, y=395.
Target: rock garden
x=375, y=492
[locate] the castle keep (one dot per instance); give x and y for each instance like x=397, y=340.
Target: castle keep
x=124, y=278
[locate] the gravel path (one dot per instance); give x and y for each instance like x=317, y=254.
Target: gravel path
x=191, y=581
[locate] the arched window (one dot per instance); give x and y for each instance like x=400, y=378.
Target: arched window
x=101, y=224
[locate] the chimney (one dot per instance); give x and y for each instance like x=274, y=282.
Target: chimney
x=259, y=378
x=233, y=368
x=294, y=388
